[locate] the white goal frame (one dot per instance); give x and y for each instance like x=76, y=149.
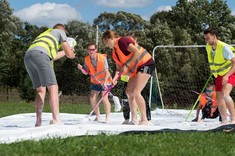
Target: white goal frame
x=151, y=79
x=153, y=56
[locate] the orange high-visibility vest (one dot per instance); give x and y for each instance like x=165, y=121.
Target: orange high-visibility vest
x=204, y=100
x=121, y=59
x=99, y=72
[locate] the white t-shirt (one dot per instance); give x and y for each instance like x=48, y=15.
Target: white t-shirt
x=59, y=35
x=227, y=53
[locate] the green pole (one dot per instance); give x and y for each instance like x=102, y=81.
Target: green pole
x=198, y=98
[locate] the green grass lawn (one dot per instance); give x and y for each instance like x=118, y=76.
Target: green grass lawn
x=159, y=144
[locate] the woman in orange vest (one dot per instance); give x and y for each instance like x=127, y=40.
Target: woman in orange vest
x=96, y=64
x=135, y=61
x=207, y=104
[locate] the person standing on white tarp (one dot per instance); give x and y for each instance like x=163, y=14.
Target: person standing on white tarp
x=97, y=65
x=221, y=59
x=133, y=60
x=39, y=60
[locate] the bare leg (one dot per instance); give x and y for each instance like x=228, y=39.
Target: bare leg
x=133, y=109
x=54, y=103
x=107, y=107
x=93, y=99
x=226, y=90
x=39, y=103
x=134, y=89
x=222, y=106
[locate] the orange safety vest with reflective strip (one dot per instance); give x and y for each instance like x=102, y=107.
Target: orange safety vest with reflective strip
x=121, y=59
x=204, y=100
x=99, y=72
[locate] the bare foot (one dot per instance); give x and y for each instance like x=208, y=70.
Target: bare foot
x=56, y=122
x=38, y=124
x=223, y=123
x=107, y=121
x=232, y=122
x=132, y=123
x=144, y=122
x=97, y=119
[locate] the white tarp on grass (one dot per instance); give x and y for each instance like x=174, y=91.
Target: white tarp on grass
x=20, y=127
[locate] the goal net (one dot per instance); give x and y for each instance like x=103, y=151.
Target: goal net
x=181, y=73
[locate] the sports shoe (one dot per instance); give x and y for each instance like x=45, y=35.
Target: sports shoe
x=126, y=122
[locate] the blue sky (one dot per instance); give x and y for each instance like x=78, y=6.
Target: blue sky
x=49, y=12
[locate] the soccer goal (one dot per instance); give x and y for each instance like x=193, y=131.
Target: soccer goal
x=181, y=71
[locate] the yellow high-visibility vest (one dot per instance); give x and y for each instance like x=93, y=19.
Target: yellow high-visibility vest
x=47, y=41
x=218, y=64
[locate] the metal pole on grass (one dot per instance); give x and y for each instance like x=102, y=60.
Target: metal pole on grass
x=198, y=97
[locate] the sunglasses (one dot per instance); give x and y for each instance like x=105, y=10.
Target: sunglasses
x=91, y=50
x=208, y=91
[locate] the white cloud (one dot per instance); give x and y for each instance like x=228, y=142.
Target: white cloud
x=159, y=9
x=48, y=14
x=123, y=3
x=233, y=11
x=163, y=8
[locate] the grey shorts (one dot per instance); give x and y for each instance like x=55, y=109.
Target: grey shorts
x=40, y=69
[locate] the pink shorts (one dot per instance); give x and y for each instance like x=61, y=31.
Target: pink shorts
x=218, y=82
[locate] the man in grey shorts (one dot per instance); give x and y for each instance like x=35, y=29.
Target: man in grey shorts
x=39, y=60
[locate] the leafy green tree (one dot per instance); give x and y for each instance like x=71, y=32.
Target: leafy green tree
x=70, y=79
x=120, y=22
x=24, y=38
x=10, y=47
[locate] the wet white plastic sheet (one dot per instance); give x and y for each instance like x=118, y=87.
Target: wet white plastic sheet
x=20, y=127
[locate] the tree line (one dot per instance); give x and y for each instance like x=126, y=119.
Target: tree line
x=182, y=25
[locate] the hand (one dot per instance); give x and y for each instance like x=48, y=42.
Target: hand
x=125, y=68
x=74, y=54
x=114, y=82
x=105, y=86
x=224, y=80
x=79, y=66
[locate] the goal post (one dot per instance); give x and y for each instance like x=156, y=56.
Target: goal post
x=180, y=70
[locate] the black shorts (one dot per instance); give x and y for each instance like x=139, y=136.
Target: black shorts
x=148, y=69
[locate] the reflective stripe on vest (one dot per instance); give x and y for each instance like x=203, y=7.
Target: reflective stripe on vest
x=121, y=59
x=99, y=72
x=218, y=65
x=47, y=41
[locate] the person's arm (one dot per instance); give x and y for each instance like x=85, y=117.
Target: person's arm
x=69, y=52
x=59, y=55
x=199, y=106
x=230, y=72
x=228, y=55
x=79, y=66
x=118, y=70
x=62, y=39
x=132, y=48
x=107, y=74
